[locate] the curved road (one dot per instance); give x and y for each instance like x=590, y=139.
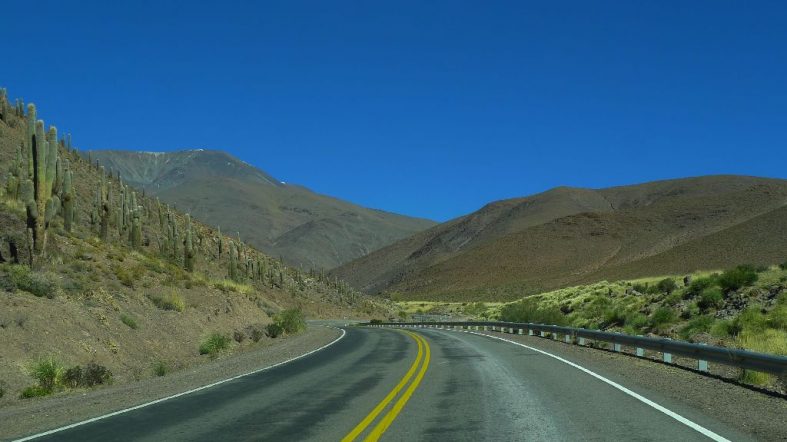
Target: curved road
x=470, y=388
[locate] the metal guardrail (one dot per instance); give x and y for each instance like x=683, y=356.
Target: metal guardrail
x=703, y=353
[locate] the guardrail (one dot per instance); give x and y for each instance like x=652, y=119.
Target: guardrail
x=702, y=353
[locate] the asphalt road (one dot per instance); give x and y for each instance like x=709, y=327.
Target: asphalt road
x=452, y=387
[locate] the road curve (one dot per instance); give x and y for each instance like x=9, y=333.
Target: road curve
x=470, y=388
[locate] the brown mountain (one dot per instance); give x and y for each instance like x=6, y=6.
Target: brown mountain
x=569, y=236
x=303, y=227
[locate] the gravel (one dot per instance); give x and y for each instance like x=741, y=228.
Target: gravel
x=36, y=415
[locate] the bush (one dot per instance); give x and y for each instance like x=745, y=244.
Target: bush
x=667, y=285
x=92, y=375
x=169, y=301
x=274, y=330
x=711, y=297
x=376, y=321
x=739, y=277
x=528, y=310
x=213, y=344
x=256, y=334
x=662, y=317
x=700, y=324
x=613, y=317
x=160, y=368
x=48, y=373
x=698, y=285
x=129, y=321
x=291, y=321
x=34, y=391
x=238, y=336
x=783, y=265
x=39, y=284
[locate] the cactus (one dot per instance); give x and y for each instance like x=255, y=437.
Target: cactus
x=136, y=228
x=68, y=197
x=5, y=108
x=104, y=207
x=16, y=174
x=188, y=247
x=220, y=242
x=233, y=265
x=42, y=150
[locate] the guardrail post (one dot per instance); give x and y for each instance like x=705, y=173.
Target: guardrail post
x=702, y=365
x=530, y=332
x=567, y=339
x=640, y=352
x=667, y=357
x=616, y=347
x=520, y=331
x=511, y=330
x=581, y=340
x=543, y=334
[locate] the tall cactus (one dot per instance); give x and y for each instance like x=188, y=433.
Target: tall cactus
x=68, y=197
x=220, y=241
x=233, y=265
x=44, y=168
x=16, y=173
x=188, y=247
x=136, y=228
x=104, y=207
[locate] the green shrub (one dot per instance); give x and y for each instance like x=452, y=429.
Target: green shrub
x=213, y=344
x=93, y=374
x=661, y=318
x=783, y=265
x=739, y=277
x=528, y=310
x=160, y=368
x=755, y=377
x=34, y=391
x=48, y=373
x=613, y=318
x=642, y=288
x=129, y=321
x=37, y=283
x=168, y=301
x=700, y=324
x=711, y=297
x=698, y=285
x=291, y=321
x=274, y=330
x=376, y=321
x=667, y=285
x=777, y=318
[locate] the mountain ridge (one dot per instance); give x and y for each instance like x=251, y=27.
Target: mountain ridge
x=571, y=235
x=304, y=227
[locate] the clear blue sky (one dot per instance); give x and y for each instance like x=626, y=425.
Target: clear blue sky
x=424, y=108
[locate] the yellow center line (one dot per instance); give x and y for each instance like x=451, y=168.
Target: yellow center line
x=381, y=406
x=383, y=425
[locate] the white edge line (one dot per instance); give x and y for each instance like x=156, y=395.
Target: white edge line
x=697, y=427
x=137, y=407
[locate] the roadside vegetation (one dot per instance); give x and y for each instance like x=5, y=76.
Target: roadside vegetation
x=742, y=307
x=52, y=376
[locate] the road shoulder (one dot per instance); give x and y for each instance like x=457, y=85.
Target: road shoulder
x=748, y=411
x=35, y=416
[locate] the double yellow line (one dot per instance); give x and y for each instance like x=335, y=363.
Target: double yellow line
x=385, y=422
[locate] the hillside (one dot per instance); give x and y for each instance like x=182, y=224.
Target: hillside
x=568, y=236
x=93, y=272
x=304, y=228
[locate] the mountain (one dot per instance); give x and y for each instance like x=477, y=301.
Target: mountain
x=303, y=227
x=567, y=236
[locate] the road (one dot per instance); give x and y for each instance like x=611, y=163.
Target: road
x=428, y=385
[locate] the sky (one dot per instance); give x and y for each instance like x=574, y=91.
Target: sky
x=425, y=108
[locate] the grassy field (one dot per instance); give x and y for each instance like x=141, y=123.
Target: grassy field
x=743, y=307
